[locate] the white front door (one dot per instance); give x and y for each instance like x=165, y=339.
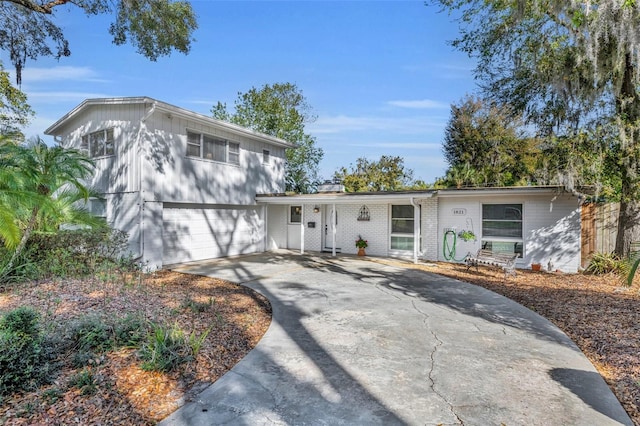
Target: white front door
x=331, y=217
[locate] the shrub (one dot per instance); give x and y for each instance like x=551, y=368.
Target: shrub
x=606, y=263
x=131, y=331
x=165, y=348
x=23, y=358
x=84, y=381
x=92, y=333
x=80, y=252
x=24, y=321
x=24, y=268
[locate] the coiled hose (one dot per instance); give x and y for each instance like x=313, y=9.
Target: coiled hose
x=449, y=246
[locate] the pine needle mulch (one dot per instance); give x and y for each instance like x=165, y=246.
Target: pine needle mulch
x=600, y=315
x=121, y=392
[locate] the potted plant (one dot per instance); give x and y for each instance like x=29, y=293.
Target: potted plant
x=361, y=244
x=467, y=235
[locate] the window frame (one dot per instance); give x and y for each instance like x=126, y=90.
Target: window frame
x=266, y=156
x=108, y=145
x=209, y=148
x=488, y=239
x=407, y=236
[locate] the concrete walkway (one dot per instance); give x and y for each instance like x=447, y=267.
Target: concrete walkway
x=356, y=342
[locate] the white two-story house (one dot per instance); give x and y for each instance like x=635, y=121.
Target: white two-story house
x=181, y=184
x=187, y=187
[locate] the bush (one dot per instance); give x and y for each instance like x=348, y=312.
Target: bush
x=23, y=358
x=131, y=331
x=165, y=349
x=603, y=263
x=92, y=333
x=80, y=252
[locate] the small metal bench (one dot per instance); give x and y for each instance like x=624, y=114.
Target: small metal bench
x=506, y=261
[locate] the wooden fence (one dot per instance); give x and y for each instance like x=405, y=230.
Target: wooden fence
x=599, y=229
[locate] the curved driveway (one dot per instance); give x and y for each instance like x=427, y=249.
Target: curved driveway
x=356, y=342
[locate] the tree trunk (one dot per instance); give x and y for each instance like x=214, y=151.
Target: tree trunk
x=628, y=109
x=628, y=221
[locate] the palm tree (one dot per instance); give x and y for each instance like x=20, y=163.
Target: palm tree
x=46, y=183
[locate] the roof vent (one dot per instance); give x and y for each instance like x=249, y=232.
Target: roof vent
x=334, y=185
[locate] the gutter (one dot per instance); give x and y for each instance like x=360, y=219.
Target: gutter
x=417, y=210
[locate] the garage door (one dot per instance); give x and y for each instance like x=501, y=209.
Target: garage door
x=204, y=233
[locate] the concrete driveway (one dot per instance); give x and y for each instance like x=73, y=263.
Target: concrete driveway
x=356, y=342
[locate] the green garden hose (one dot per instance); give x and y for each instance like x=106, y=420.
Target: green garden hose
x=448, y=249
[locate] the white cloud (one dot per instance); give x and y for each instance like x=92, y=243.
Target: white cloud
x=32, y=75
x=419, y=104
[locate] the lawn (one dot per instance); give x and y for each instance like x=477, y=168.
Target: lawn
x=602, y=317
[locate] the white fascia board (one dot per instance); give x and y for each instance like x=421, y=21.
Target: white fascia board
x=517, y=190
x=343, y=198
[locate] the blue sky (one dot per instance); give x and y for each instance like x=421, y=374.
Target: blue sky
x=380, y=76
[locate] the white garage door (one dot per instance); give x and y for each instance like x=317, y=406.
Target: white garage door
x=204, y=233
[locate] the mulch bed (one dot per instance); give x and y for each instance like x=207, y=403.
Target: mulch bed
x=236, y=316
x=599, y=314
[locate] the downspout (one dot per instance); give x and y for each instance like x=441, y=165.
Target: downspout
x=141, y=201
x=416, y=228
x=302, y=229
x=334, y=220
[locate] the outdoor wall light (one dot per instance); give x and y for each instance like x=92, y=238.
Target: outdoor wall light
x=316, y=209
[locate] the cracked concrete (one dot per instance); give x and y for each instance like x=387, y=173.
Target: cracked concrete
x=356, y=342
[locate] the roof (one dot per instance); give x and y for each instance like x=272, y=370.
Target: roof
x=358, y=197
x=156, y=105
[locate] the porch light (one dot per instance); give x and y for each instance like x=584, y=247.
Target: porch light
x=316, y=209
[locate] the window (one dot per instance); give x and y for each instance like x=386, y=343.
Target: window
x=212, y=148
x=98, y=207
x=266, y=156
x=502, y=228
x=402, y=227
x=234, y=153
x=295, y=214
x=98, y=144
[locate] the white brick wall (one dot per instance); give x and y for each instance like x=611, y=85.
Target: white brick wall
x=429, y=229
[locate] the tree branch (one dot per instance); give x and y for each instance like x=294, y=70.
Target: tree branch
x=46, y=8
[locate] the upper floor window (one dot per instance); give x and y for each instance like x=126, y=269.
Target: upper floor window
x=266, y=156
x=98, y=144
x=212, y=148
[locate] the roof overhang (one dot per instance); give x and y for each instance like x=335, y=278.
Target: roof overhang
x=172, y=110
x=344, y=197
x=410, y=196
x=507, y=190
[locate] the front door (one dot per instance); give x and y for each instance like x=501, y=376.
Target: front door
x=329, y=221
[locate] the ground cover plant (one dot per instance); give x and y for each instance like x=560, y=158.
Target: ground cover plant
x=124, y=352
